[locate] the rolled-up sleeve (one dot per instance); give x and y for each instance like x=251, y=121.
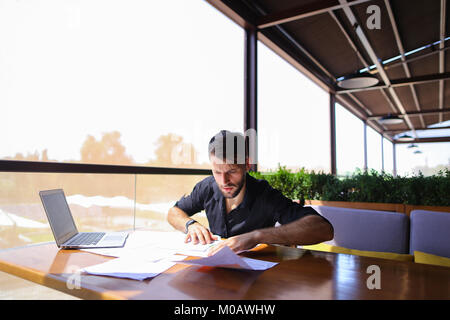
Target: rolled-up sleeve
x=192, y=203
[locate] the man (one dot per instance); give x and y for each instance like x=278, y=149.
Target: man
x=241, y=208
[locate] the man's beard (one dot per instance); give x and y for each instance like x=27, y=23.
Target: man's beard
x=239, y=188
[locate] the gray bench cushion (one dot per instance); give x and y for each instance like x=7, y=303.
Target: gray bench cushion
x=430, y=232
x=370, y=230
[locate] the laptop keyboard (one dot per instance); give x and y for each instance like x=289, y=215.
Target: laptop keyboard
x=86, y=239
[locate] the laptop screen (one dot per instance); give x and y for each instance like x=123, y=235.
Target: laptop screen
x=58, y=214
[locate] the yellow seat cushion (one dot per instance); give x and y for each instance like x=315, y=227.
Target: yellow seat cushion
x=373, y=254
x=428, y=258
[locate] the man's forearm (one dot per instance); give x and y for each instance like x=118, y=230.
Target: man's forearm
x=177, y=218
x=307, y=230
x=196, y=233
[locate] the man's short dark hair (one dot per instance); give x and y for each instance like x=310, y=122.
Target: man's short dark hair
x=229, y=147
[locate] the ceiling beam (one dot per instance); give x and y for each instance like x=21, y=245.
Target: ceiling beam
x=378, y=127
x=303, y=11
x=375, y=60
x=393, y=64
x=403, y=82
x=285, y=53
x=236, y=11
x=420, y=79
x=296, y=44
x=391, y=105
x=402, y=54
x=352, y=106
x=361, y=58
x=411, y=113
x=426, y=140
x=349, y=39
x=245, y=13
x=417, y=129
x=345, y=91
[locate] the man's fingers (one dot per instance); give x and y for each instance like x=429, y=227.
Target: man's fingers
x=200, y=236
x=192, y=235
x=213, y=237
x=199, y=233
x=208, y=235
x=195, y=237
x=216, y=248
x=233, y=243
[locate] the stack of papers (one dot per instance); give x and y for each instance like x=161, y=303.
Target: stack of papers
x=135, y=267
x=226, y=258
x=141, y=242
x=149, y=253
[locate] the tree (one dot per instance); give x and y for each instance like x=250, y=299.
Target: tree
x=171, y=150
x=31, y=156
x=109, y=150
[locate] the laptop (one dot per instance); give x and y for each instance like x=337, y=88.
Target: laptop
x=64, y=229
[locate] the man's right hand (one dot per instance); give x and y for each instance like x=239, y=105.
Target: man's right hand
x=198, y=233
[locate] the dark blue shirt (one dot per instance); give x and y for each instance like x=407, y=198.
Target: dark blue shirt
x=261, y=207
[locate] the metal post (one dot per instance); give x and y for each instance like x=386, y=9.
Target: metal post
x=333, y=133
x=365, y=146
x=250, y=88
x=394, y=158
x=382, y=153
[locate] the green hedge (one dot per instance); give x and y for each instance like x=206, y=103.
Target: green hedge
x=362, y=186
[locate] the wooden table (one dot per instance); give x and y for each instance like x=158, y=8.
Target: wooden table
x=301, y=274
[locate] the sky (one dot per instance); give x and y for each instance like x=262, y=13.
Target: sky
x=69, y=69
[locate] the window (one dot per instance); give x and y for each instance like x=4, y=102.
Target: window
x=293, y=117
x=106, y=83
x=374, y=156
x=388, y=156
x=431, y=158
x=349, y=142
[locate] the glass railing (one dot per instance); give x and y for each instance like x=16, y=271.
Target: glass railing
x=100, y=197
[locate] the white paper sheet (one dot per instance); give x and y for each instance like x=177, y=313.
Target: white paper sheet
x=145, y=242
x=135, y=267
x=139, y=264
x=226, y=258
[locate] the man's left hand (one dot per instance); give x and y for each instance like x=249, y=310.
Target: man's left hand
x=238, y=243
